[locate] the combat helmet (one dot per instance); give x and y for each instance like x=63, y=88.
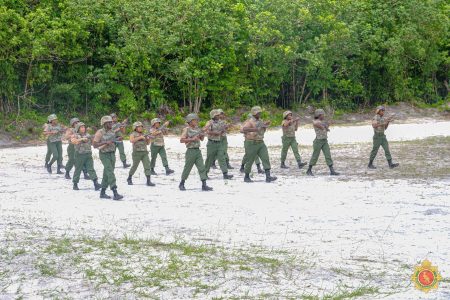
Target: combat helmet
x=105, y=119
x=255, y=110
x=73, y=121
x=52, y=117
x=287, y=113
x=191, y=117
x=319, y=112
x=214, y=113
x=78, y=126
x=154, y=121
x=137, y=124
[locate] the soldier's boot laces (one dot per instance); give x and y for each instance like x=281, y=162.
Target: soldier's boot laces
x=226, y=176
x=247, y=178
x=103, y=194
x=270, y=178
x=125, y=165
x=152, y=171
x=309, y=172
x=370, y=165
x=58, y=171
x=168, y=170
x=67, y=176
x=49, y=168
x=205, y=187
x=181, y=186
x=86, y=175
x=229, y=166
x=242, y=169
x=260, y=170
x=393, y=165
x=129, y=180
x=97, y=186
x=117, y=196
x=75, y=187
x=301, y=164
x=333, y=172
x=149, y=182
x=213, y=166
x=283, y=165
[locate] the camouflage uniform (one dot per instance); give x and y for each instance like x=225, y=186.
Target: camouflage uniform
x=70, y=148
x=119, y=142
x=48, y=155
x=379, y=139
x=107, y=157
x=214, y=146
x=140, y=154
x=193, y=154
x=288, y=139
x=158, y=147
x=83, y=156
x=55, y=143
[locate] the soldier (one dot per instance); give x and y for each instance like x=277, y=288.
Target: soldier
x=254, y=130
x=119, y=130
x=214, y=128
x=140, y=152
x=380, y=124
x=224, y=141
x=321, y=142
x=192, y=135
x=157, y=145
x=245, y=158
x=82, y=143
x=290, y=126
x=48, y=155
x=54, y=132
x=71, y=149
x=104, y=141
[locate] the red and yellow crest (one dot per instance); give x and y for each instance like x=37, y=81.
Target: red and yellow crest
x=426, y=277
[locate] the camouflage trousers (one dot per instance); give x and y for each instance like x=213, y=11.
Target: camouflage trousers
x=193, y=157
x=245, y=158
x=289, y=142
x=57, y=152
x=379, y=139
x=215, y=150
x=321, y=145
x=140, y=156
x=161, y=150
x=83, y=161
x=254, y=149
x=108, y=160
x=122, y=156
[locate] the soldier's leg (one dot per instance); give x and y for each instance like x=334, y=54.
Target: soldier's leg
x=146, y=163
x=385, y=145
x=198, y=161
x=294, y=146
x=136, y=160
x=252, y=151
x=89, y=166
x=55, y=155
x=327, y=153
x=190, y=158
x=71, y=156
x=122, y=156
x=163, y=155
x=48, y=154
x=317, y=146
x=211, y=152
x=375, y=147
x=285, y=142
x=263, y=153
x=154, y=154
x=257, y=160
x=105, y=161
x=60, y=152
x=221, y=158
x=79, y=164
x=111, y=176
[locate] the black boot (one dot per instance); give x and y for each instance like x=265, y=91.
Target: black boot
x=309, y=172
x=117, y=196
x=86, y=175
x=125, y=165
x=300, y=164
x=49, y=169
x=152, y=171
x=270, y=178
x=149, y=182
x=181, y=186
x=371, y=166
x=332, y=171
x=242, y=169
x=75, y=187
x=392, y=165
x=103, y=194
x=213, y=165
x=58, y=170
x=168, y=170
x=46, y=164
x=205, y=187
x=260, y=170
x=129, y=180
x=67, y=176
x=96, y=185
x=229, y=166
x=283, y=165
x=247, y=178
x=226, y=176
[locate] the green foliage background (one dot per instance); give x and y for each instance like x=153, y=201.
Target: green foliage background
x=134, y=57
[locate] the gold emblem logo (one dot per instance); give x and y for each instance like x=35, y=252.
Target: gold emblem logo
x=426, y=277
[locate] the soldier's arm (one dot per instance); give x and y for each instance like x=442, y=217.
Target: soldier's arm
x=184, y=138
x=248, y=127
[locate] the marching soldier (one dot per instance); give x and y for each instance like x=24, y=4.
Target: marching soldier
x=380, y=124
x=70, y=148
x=245, y=158
x=119, y=130
x=140, y=152
x=157, y=146
x=54, y=132
x=224, y=140
x=321, y=142
x=214, y=129
x=192, y=135
x=254, y=130
x=48, y=155
x=104, y=141
x=289, y=127
x=82, y=143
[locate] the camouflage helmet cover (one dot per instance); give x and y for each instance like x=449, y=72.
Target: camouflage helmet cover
x=78, y=126
x=105, y=119
x=137, y=124
x=214, y=113
x=255, y=110
x=287, y=113
x=319, y=112
x=220, y=111
x=73, y=121
x=191, y=117
x=154, y=121
x=381, y=107
x=52, y=117
x=113, y=115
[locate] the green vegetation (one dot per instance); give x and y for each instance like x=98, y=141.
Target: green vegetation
x=169, y=57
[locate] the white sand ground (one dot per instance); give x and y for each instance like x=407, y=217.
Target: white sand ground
x=336, y=223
